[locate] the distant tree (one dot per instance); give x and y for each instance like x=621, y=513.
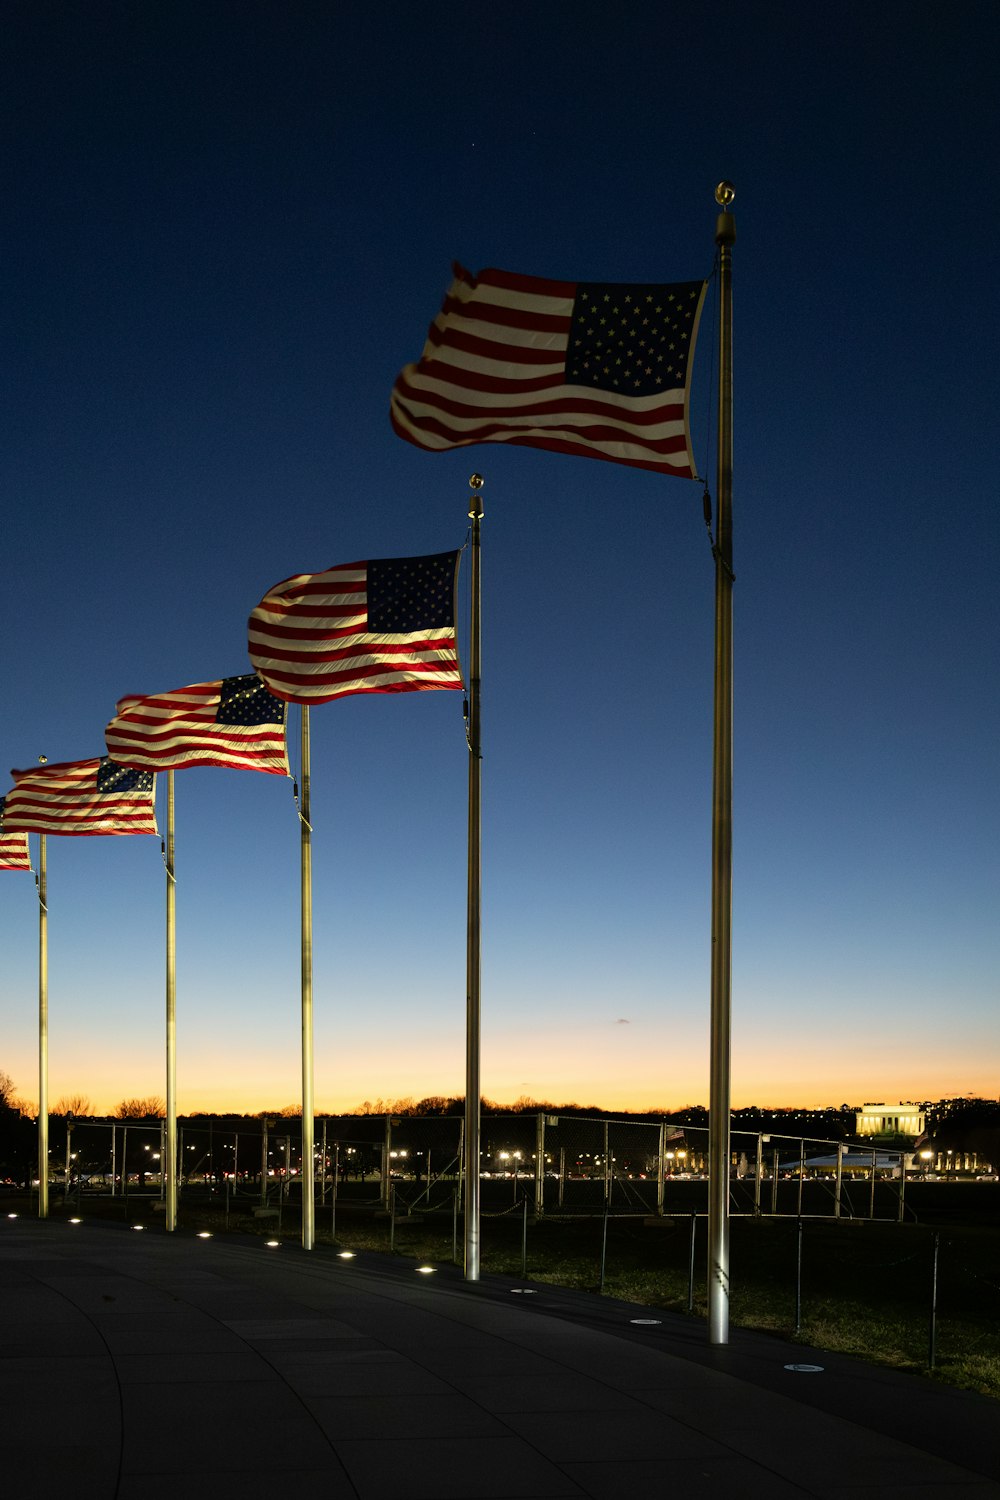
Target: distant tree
x=77, y=1105
x=7, y=1088
x=291, y=1112
x=140, y=1109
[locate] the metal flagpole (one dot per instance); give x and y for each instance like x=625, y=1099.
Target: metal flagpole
x=474, y=931
x=43, y=1032
x=308, y=1168
x=170, y=1162
x=722, y=805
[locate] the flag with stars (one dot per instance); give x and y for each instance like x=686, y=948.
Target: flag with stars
x=597, y=369
x=81, y=797
x=13, y=846
x=382, y=626
x=235, y=723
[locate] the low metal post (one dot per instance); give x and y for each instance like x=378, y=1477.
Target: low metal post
x=757, y=1171
x=798, y=1278
x=322, y=1173
x=871, y=1196
x=454, y=1226
x=902, y=1185
x=336, y=1185
x=774, y=1182
x=524, y=1239
x=694, y=1236
x=392, y=1218
x=562, y=1173
x=540, y=1166
x=840, y=1179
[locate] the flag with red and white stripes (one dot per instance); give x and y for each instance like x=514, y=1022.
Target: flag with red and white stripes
x=382, y=626
x=235, y=723
x=597, y=369
x=81, y=797
x=13, y=847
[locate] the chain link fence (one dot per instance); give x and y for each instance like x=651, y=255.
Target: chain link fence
x=560, y=1164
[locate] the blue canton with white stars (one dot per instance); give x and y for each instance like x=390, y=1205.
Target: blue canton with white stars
x=113, y=779
x=631, y=340
x=245, y=700
x=411, y=593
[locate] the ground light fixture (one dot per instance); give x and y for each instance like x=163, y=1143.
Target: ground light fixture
x=12, y=1216
x=204, y=1234
x=523, y=1291
x=646, y=1322
x=345, y=1254
x=272, y=1244
x=138, y=1226
x=425, y=1270
x=74, y=1221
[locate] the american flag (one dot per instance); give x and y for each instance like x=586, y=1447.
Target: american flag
x=13, y=846
x=81, y=797
x=598, y=369
x=382, y=626
x=235, y=722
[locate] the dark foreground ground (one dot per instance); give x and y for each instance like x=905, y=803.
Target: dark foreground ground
x=145, y=1364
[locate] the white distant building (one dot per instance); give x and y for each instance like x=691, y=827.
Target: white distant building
x=891, y=1119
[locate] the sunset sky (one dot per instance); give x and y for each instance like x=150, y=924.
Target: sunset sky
x=227, y=227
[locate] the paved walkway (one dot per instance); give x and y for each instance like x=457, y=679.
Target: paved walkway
x=146, y=1365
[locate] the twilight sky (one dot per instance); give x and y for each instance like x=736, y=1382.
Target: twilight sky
x=226, y=228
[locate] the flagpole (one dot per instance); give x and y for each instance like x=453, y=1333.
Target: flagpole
x=722, y=806
x=43, y=1033
x=474, y=929
x=170, y=1152
x=305, y=825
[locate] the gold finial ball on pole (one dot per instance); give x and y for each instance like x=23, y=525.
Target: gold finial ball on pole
x=724, y=194
x=43, y=760
x=476, y=483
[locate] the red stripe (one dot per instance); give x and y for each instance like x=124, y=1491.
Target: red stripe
x=506, y=317
x=499, y=432
x=468, y=343
x=672, y=411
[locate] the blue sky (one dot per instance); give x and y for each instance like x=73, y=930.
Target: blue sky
x=227, y=228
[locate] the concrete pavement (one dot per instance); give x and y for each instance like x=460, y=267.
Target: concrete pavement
x=140, y=1364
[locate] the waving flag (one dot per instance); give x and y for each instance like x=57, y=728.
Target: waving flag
x=598, y=369
x=80, y=797
x=382, y=626
x=13, y=846
x=235, y=722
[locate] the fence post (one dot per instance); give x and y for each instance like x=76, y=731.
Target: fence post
x=608, y=1176
x=802, y=1168
x=757, y=1171
x=774, y=1182
x=336, y=1185
x=798, y=1278
x=539, y=1166
x=902, y=1185
x=604, y=1245
x=660, y=1164
x=562, y=1173
x=840, y=1179
x=454, y=1226
x=694, y=1236
x=386, y=1148
x=524, y=1239
x=392, y=1219
x=871, y=1196
x=932, y=1340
